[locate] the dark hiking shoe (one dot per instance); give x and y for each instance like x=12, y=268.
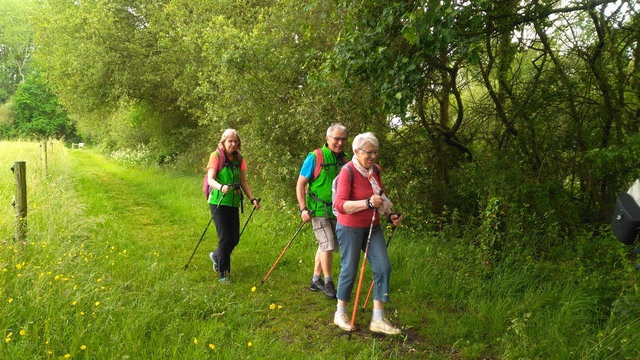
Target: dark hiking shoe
x=329, y=290
x=317, y=285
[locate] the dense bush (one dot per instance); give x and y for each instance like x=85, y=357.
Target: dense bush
x=37, y=113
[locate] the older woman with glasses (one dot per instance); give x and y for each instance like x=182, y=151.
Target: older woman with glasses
x=359, y=205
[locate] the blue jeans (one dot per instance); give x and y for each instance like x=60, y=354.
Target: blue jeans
x=352, y=241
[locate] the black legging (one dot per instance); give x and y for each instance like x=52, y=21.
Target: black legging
x=227, y=220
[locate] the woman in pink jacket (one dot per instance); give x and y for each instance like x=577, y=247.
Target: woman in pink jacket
x=357, y=202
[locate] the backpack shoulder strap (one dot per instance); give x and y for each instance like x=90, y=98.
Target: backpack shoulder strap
x=221, y=159
x=319, y=162
x=350, y=172
x=344, y=159
x=376, y=169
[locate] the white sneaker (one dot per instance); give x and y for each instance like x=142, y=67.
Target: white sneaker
x=383, y=326
x=342, y=321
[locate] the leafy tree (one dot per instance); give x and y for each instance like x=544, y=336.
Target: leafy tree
x=16, y=45
x=481, y=106
x=37, y=113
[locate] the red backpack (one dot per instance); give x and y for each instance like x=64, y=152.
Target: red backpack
x=221, y=161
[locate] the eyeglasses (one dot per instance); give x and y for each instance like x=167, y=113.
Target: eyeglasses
x=369, y=153
x=338, y=138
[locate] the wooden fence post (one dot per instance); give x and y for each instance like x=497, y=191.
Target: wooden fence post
x=43, y=145
x=19, y=169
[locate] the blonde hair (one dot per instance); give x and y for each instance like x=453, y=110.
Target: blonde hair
x=227, y=134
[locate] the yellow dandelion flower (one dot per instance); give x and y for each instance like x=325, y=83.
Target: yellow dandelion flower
x=249, y=344
x=99, y=279
x=74, y=303
x=7, y=339
x=49, y=352
x=97, y=303
x=83, y=347
x=66, y=356
x=272, y=306
x=195, y=341
x=22, y=332
x=10, y=300
x=279, y=306
x=81, y=312
x=75, y=287
x=253, y=289
x=212, y=346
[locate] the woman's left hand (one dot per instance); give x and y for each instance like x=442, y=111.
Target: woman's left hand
x=256, y=203
x=396, y=219
x=376, y=201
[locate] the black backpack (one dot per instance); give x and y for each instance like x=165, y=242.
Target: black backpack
x=625, y=222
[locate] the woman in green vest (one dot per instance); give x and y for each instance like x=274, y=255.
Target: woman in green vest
x=224, y=200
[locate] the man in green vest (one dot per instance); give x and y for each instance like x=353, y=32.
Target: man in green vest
x=313, y=191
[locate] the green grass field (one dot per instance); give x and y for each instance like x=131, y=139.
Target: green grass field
x=101, y=276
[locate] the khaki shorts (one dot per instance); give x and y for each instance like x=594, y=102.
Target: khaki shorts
x=325, y=230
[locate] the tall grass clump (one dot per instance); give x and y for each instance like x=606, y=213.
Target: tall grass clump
x=38, y=270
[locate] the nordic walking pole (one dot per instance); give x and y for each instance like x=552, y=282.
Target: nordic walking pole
x=205, y=231
x=283, y=251
x=366, y=301
x=364, y=260
x=245, y=224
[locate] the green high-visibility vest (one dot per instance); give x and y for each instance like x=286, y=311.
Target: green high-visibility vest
x=229, y=175
x=319, y=189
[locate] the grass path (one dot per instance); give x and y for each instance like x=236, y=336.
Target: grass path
x=148, y=226
x=102, y=277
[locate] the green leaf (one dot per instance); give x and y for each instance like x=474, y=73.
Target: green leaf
x=410, y=34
